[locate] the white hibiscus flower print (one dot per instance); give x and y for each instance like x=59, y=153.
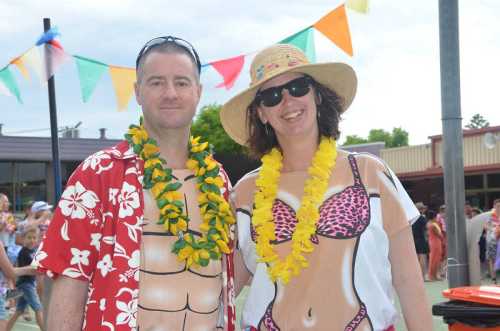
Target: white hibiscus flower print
x=128, y=200
x=79, y=257
x=134, y=263
x=105, y=265
x=95, y=162
x=95, y=240
x=76, y=201
x=128, y=313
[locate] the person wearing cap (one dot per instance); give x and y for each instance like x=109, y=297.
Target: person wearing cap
x=144, y=227
x=324, y=233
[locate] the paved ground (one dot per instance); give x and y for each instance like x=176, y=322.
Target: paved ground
x=433, y=289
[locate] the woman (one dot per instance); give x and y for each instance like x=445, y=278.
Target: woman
x=318, y=228
x=435, y=235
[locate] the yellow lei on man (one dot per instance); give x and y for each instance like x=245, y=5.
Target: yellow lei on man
x=307, y=215
x=216, y=215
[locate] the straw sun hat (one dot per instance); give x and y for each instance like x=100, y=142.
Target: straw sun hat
x=274, y=61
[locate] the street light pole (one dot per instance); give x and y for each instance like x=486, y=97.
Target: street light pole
x=453, y=165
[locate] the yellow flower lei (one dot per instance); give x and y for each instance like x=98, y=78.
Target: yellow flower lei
x=307, y=215
x=215, y=212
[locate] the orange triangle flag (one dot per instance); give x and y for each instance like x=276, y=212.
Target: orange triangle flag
x=230, y=69
x=336, y=28
x=19, y=63
x=123, y=82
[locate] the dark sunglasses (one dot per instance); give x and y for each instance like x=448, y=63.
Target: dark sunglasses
x=272, y=96
x=169, y=39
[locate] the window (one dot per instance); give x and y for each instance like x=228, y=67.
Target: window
x=493, y=180
x=473, y=182
x=30, y=183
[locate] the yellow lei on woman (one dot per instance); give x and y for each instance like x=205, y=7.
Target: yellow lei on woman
x=307, y=215
x=215, y=212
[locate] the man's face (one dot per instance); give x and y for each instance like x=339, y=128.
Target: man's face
x=4, y=203
x=168, y=91
x=497, y=207
x=468, y=209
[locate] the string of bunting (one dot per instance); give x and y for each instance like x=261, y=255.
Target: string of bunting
x=47, y=56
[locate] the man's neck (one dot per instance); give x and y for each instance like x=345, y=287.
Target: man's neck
x=173, y=144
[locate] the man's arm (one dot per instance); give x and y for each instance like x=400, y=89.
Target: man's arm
x=67, y=304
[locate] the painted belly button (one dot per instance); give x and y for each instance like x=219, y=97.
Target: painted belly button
x=309, y=320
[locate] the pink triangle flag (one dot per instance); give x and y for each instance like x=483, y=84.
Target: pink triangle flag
x=230, y=69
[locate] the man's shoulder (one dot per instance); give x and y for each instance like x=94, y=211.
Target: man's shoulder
x=121, y=150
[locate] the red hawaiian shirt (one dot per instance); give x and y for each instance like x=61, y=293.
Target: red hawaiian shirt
x=95, y=236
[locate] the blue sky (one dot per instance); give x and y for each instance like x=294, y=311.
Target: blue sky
x=396, y=56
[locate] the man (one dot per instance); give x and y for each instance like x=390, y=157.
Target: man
x=106, y=241
x=467, y=210
x=418, y=229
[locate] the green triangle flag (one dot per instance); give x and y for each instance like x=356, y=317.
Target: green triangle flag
x=9, y=81
x=90, y=72
x=304, y=40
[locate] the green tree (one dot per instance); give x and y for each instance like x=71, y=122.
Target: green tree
x=399, y=138
x=477, y=122
x=207, y=125
x=354, y=140
x=380, y=135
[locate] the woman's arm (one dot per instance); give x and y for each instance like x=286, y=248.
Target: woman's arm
x=5, y=265
x=408, y=282
x=241, y=274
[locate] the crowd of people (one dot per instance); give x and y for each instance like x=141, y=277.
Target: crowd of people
x=429, y=235
x=20, y=238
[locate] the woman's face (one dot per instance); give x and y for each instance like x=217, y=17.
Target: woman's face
x=293, y=117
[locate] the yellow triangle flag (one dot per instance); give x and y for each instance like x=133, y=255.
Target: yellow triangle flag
x=360, y=6
x=34, y=59
x=336, y=28
x=123, y=82
x=19, y=63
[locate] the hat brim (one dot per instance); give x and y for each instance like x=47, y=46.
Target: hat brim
x=339, y=77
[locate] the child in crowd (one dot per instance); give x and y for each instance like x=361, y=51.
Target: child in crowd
x=27, y=283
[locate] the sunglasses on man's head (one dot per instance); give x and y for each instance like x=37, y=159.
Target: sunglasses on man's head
x=169, y=39
x=273, y=96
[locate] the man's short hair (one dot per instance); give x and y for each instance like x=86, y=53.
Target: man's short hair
x=167, y=48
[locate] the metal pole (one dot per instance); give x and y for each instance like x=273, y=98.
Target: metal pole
x=56, y=163
x=453, y=165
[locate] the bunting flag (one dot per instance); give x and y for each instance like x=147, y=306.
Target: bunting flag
x=48, y=36
x=57, y=57
x=123, y=82
x=48, y=55
x=336, y=28
x=90, y=72
x=4, y=90
x=19, y=63
x=33, y=58
x=8, y=80
x=304, y=40
x=230, y=69
x=360, y=6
